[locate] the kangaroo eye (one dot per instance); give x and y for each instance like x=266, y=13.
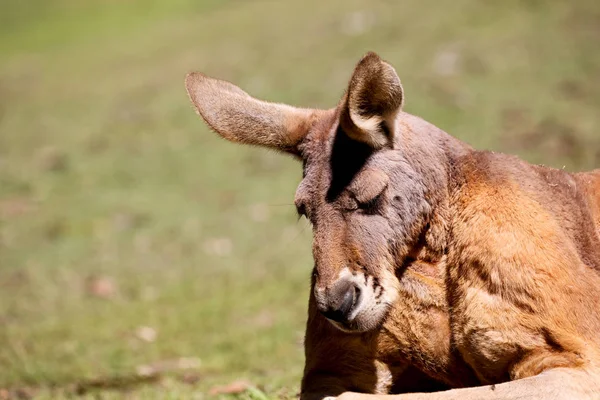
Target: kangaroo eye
x=301, y=210
x=368, y=190
x=371, y=206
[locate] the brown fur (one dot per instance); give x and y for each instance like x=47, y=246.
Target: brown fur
x=470, y=268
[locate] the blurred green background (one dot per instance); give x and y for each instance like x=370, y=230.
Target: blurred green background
x=132, y=237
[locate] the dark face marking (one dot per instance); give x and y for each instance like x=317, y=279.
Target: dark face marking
x=348, y=157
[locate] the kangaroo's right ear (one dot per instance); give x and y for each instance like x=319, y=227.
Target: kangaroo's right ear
x=372, y=102
x=237, y=116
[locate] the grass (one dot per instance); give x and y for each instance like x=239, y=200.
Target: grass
x=119, y=210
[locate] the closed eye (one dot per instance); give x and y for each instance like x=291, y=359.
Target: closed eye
x=368, y=189
x=301, y=210
x=371, y=206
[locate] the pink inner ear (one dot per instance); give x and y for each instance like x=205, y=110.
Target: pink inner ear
x=368, y=184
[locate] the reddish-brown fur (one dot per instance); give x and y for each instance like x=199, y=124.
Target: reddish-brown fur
x=467, y=270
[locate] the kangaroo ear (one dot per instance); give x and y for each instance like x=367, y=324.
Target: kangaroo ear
x=238, y=117
x=372, y=102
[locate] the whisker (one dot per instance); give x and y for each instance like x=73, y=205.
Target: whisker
x=306, y=224
x=300, y=232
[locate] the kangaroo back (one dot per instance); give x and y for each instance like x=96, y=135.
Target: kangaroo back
x=590, y=184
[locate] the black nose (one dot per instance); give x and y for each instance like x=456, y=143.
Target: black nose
x=340, y=309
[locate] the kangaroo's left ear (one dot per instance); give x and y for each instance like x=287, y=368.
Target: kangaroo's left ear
x=239, y=117
x=372, y=102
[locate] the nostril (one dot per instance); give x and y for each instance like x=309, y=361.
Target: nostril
x=348, y=300
x=357, y=296
x=334, y=315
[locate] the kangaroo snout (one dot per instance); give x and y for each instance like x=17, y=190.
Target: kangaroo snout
x=338, y=302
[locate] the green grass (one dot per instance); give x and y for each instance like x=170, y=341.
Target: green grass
x=106, y=172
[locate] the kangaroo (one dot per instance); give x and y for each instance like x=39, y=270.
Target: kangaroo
x=440, y=272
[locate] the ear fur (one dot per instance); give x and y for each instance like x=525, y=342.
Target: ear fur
x=372, y=102
x=238, y=117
